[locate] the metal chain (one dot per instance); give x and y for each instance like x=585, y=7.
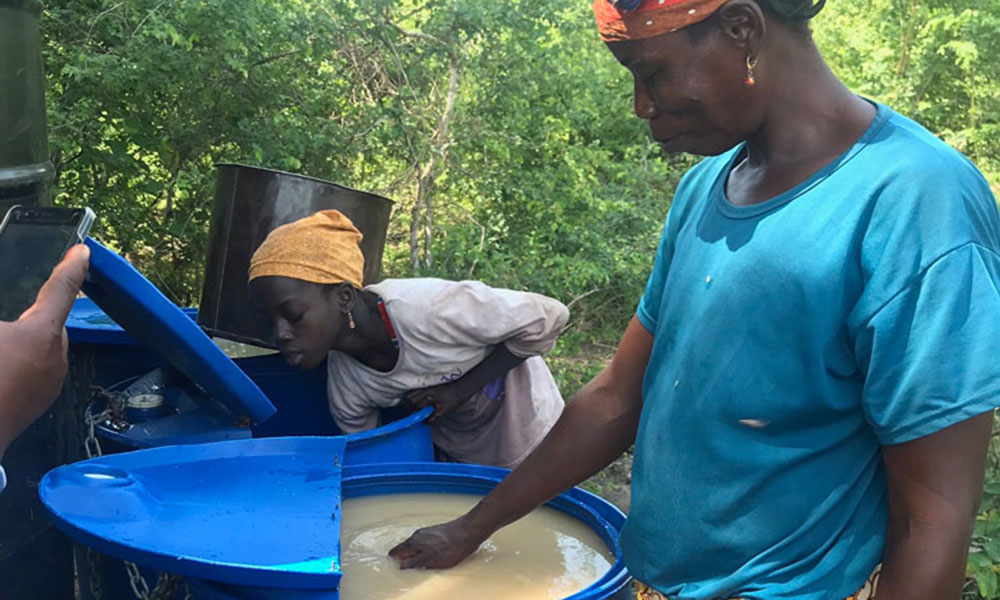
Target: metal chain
x=111, y=415
x=135, y=579
x=91, y=444
x=166, y=588
x=94, y=563
x=167, y=584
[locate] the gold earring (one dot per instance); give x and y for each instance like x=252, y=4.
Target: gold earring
x=750, y=81
x=350, y=320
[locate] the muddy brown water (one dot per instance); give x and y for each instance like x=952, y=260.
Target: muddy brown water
x=545, y=555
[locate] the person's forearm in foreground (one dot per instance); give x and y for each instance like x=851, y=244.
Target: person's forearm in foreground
x=598, y=425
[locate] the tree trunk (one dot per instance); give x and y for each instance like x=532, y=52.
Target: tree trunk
x=422, y=213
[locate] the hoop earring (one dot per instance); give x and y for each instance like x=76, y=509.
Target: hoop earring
x=750, y=81
x=350, y=321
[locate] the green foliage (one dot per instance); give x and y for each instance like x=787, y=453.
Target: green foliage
x=542, y=167
x=984, y=554
x=933, y=61
x=544, y=180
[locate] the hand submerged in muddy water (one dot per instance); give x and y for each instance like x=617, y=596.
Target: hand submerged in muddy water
x=438, y=547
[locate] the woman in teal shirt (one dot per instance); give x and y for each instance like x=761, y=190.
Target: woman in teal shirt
x=811, y=373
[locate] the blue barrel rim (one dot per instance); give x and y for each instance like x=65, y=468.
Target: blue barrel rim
x=409, y=477
x=106, y=433
x=355, y=440
x=376, y=434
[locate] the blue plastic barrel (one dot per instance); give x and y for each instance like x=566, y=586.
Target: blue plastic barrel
x=300, y=398
x=260, y=519
x=114, y=358
x=447, y=478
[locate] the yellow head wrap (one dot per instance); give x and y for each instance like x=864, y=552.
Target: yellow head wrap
x=321, y=248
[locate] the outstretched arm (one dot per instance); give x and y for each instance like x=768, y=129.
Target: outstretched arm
x=599, y=423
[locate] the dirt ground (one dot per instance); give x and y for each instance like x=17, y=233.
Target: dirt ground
x=572, y=371
x=612, y=483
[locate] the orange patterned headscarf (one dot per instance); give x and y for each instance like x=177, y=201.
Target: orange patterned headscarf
x=623, y=20
x=322, y=248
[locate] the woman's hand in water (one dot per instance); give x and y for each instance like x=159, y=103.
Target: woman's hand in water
x=439, y=547
x=444, y=398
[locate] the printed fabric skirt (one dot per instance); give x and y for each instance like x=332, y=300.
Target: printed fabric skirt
x=867, y=591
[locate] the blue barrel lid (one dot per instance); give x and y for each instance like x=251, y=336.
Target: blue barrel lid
x=148, y=316
x=262, y=513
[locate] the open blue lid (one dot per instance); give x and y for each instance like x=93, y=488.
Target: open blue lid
x=262, y=512
x=145, y=313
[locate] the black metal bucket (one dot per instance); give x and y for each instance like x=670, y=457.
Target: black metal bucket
x=25, y=170
x=249, y=203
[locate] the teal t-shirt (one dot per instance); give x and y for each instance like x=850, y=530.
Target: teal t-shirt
x=792, y=339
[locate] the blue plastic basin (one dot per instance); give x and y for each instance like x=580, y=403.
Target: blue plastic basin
x=396, y=478
x=260, y=519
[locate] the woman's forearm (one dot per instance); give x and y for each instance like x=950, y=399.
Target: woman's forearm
x=495, y=365
x=587, y=437
x=934, y=484
x=598, y=425
x=925, y=560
